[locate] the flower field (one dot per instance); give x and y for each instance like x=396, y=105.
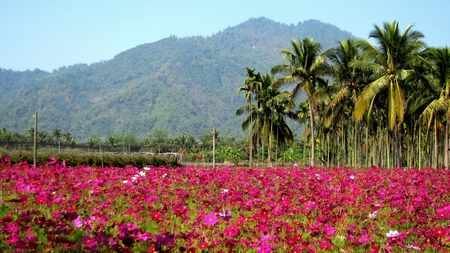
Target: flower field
x=54, y=208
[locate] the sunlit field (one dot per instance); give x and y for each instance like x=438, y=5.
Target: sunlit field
x=54, y=208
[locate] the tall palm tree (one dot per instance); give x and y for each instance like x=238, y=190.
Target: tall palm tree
x=440, y=60
x=348, y=83
x=305, y=68
x=391, y=62
x=251, y=85
x=266, y=117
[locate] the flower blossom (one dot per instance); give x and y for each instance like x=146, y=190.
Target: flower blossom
x=392, y=234
x=210, y=219
x=372, y=215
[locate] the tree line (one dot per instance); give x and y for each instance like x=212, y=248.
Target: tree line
x=384, y=104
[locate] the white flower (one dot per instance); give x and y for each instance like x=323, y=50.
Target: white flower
x=164, y=175
x=125, y=181
x=318, y=176
x=224, y=191
x=53, y=193
x=372, y=215
x=352, y=177
x=295, y=165
x=146, y=168
x=392, y=234
x=134, y=178
x=142, y=173
x=409, y=246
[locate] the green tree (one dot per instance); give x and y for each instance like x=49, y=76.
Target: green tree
x=251, y=85
x=390, y=63
x=56, y=134
x=269, y=123
x=68, y=137
x=440, y=60
x=305, y=68
x=348, y=83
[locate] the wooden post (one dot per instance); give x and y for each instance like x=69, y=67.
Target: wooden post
x=35, y=137
x=214, y=147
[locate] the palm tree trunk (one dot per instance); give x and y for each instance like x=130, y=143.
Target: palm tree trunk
x=338, y=153
x=388, y=149
x=304, y=151
x=374, y=150
x=446, y=145
x=367, y=145
x=436, y=152
x=311, y=123
x=380, y=147
x=359, y=140
x=250, y=162
x=269, y=147
x=396, y=145
x=420, y=160
x=345, y=146
x=328, y=149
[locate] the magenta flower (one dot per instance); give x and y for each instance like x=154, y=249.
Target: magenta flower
x=78, y=222
x=364, y=239
x=265, y=248
x=325, y=245
x=329, y=230
x=6, y=159
x=210, y=219
x=231, y=232
x=226, y=215
x=51, y=160
x=89, y=243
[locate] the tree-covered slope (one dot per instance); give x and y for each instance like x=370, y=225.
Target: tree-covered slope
x=180, y=85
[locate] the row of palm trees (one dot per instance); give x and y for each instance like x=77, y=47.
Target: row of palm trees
x=396, y=91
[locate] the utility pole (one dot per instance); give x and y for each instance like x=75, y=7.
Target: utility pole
x=214, y=147
x=35, y=137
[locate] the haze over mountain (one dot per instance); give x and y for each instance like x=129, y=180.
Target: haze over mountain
x=179, y=85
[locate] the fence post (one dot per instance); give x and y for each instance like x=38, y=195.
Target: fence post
x=35, y=137
x=214, y=147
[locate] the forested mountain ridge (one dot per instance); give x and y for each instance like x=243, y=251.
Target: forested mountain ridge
x=180, y=85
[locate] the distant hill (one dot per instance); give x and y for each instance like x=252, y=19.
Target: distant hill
x=179, y=85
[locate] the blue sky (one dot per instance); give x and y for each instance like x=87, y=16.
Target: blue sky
x=49, y=34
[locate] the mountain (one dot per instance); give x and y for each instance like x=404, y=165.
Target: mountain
x=179, y=85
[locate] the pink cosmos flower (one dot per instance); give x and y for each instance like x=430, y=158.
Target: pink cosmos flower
x=325, y=245
x=89, y=243
x=202, y=245
x=364, y=239
x=51, y=160
x=231, y=232
x=392, y=234
x=265, y=248
x=443, y=213
x=210, y=219
x=226, y=215
x=329, y=230
x=6, y=159
x=78, y=222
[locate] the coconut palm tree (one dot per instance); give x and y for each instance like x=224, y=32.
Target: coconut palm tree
x=251, y=85
x=440, y=78
x=266, y=117
x=305, y=68
x=348, y=83
x=390, y=62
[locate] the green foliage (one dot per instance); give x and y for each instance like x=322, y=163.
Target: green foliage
x=93, y=159
x=232, y=154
